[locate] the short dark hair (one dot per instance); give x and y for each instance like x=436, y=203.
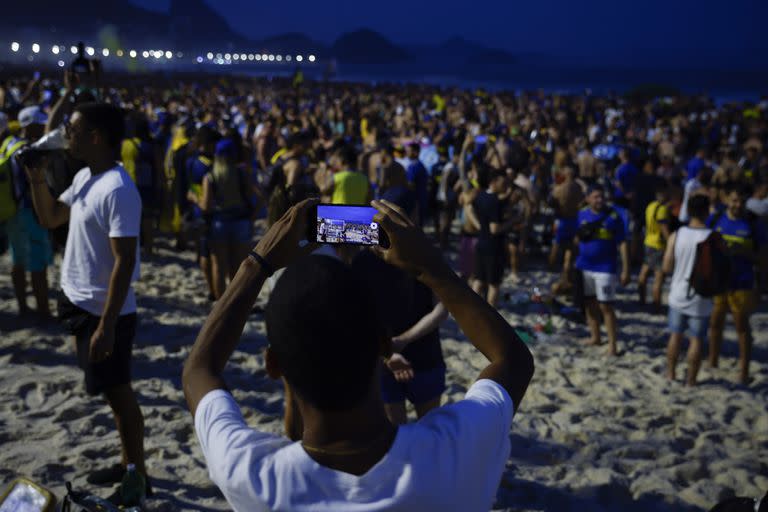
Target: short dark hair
x=207, y=135
x=346, y=153
x=737, y=187
x=698, y=206
x=323, y=328
x=105, y=118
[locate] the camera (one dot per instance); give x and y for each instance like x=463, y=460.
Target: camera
x=32, y=158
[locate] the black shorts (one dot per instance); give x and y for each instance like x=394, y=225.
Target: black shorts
x=113, y=371
x=489, y=264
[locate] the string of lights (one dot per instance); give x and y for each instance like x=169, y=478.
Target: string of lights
x=211, y=57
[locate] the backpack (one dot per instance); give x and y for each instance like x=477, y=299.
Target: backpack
x=8, y=204
x=711, y=272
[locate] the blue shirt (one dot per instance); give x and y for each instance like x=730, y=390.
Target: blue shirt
x=626, y=175
x=418, y=176
x=747, y=235
x=693, y=167
x=599, y=254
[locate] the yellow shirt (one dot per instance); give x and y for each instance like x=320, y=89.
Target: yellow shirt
x=655, y=215
x=349, y=188
x=129, y=154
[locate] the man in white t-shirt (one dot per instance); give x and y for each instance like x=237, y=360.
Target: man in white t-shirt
x=347, y=455
x=101, y=260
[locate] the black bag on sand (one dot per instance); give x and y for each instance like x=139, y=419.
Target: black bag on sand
x=76, y=501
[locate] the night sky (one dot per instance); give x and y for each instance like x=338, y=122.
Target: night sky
x=632, y=32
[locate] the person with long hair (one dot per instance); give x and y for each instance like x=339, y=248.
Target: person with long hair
x=227, y=199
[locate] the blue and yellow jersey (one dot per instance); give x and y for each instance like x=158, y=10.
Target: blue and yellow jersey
x=744, y=236
x=600, y=253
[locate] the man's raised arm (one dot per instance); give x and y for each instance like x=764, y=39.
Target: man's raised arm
x=222, y=330
x=51, y=212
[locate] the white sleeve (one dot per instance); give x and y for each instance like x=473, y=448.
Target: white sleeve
x=473, y=437
x=123, y=212
x=232, y=450
x=68, y=196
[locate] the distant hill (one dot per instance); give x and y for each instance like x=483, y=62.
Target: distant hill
x=188, y=24
x=292, y=42
x=193, y=23
x=365, y=46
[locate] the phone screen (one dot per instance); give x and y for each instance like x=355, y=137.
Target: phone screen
x=343, y=224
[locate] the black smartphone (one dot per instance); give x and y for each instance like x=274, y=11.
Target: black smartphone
x=346, y=224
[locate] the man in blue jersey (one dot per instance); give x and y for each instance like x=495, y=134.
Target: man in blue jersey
x=748, y=244
x=601, y=233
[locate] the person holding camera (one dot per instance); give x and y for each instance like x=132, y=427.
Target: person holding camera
x=101, y=259
x=601, y=234
x=349, y=455
x=30, y=242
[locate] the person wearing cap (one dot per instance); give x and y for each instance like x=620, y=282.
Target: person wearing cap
x=226, y=198
x=29, y=242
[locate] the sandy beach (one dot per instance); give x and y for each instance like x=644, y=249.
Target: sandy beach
x=593, y=433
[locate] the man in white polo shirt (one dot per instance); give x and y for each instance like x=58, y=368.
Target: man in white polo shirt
x=326, y=345
x=101, y=261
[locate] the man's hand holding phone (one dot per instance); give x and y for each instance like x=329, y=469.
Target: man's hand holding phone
x=409, y=249
x=280, y=245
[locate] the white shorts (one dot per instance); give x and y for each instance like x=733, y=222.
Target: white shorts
x=601, y=285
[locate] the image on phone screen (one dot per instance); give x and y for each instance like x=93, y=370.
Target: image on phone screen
x=342, y=224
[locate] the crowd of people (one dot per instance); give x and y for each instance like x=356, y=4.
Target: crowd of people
x=599, y=187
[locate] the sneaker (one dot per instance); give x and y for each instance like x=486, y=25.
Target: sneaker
x=114, y=475
x=116, y=498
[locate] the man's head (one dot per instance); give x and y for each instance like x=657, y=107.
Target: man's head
x=95, y=130
x=295, y=143
x=662, y=192
x=413, y=151
x=698, y=207
x=497, y=181
x=343, y=158
x=624, y=155
x=206, y=139
x=705, y=175
x=324, y=334
x=596, y=199
x=735, y=199
x=32, y=121
x=761, y=190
